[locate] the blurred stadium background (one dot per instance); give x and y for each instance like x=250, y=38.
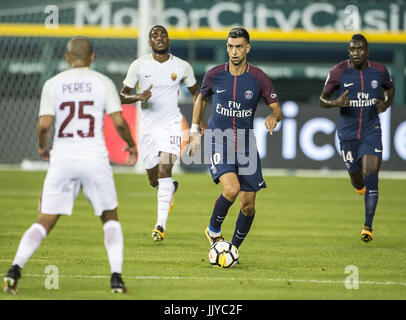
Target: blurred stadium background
x=295, y=42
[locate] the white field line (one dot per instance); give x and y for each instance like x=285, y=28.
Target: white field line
x=377, y=283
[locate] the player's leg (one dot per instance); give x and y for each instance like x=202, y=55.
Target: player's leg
x=245, y=217
x=168, y=143
x=113, y=239
x=349, y=153
x=230, y=190
x=166, y=189
x=114, y=244
x=357, y=181
x=370, y=168
x=29, y=243
x=33, y=237
x=149, y=152
x=153, y=176
x=166, y=163
x=250, y=184
x=98, y=187
x=57, y=197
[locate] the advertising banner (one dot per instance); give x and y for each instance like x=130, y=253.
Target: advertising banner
x=307, y=137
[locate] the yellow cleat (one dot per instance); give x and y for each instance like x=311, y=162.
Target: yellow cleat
x=361, y=191
x=10, y=280
x=9, y=285
x=366, y=234
x=211, y=239
x=158, y=234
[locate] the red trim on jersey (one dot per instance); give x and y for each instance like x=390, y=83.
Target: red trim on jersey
x=235, y=134
x=362, y=80
x=234, y=127
x=362, y=109
x=234, y=87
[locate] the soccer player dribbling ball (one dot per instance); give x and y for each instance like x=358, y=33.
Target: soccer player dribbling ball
x=158, y=76
x=357, y=82
x=236, y=88
x=76, y=100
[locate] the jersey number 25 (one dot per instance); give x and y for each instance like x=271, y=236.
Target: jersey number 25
x=82, y=115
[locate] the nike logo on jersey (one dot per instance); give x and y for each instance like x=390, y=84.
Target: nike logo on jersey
x=260, y=184
x=219, y=91
x=348, y=84
x=146, y=76
x=377, y=150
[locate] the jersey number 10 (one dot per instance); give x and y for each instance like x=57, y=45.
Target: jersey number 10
x=82, y=115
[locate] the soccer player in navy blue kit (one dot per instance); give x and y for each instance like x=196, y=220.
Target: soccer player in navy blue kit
x=236, y=88
x=357, y=82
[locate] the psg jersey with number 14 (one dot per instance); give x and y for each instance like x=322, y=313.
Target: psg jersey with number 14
x=364, y=88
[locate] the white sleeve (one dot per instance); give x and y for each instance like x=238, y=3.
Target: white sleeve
x=132, y=75
x=189, y=77
x=46, y=106
x=113, y=103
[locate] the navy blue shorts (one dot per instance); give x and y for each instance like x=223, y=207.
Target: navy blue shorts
x=249, y=174
x=353, y=150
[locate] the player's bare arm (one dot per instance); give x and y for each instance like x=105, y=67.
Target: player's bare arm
x=381, y=106
x=194, y=91
x=124, y=132
x=272, y=120
x=127, y=97
x=44, y=132
x=342, y=101
x=198, y=111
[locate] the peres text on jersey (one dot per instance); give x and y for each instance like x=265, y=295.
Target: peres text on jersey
x=77, y=87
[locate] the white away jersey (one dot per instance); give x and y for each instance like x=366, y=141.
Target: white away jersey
x=165, y=79
x=78, y=98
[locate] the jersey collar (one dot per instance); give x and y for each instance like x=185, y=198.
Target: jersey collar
x=227, y=68
x=152, y=58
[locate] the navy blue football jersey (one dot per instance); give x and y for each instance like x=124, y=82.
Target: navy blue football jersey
x=234, y=102
x=364, y=88
x=235, y=98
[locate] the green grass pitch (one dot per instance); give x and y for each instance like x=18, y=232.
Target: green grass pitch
x=305, y=233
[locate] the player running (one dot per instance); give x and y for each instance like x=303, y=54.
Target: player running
x=158, y=76
x=357, y=82
x=236, y=87
x=77, y=100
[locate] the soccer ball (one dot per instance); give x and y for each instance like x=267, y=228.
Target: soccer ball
x=223, y=254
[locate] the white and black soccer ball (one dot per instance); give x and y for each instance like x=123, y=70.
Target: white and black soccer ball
x=223, y=254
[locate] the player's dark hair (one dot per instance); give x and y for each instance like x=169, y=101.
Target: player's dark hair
x=239, y=33
x=360, y=37
x=157, y=26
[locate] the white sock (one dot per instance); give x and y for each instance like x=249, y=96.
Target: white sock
x=165, y=192
x=30, y=242
x=114, y=243
x=214, y=234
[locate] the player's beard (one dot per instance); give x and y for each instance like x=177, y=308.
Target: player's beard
x=238, y=62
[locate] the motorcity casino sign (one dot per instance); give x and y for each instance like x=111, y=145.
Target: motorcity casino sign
x=259, y=15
